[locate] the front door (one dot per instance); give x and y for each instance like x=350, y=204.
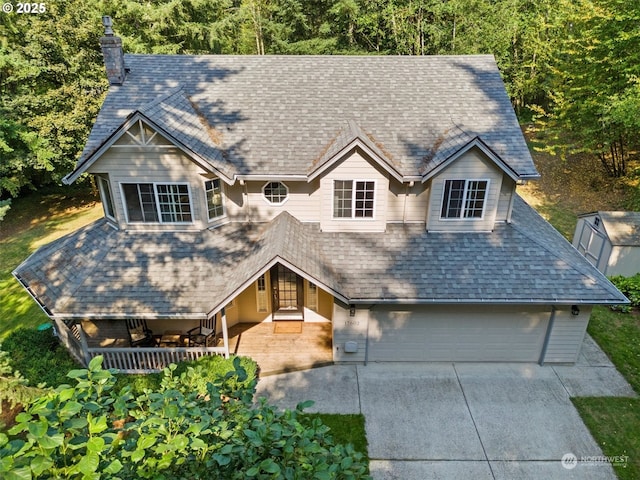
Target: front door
x=288, y=295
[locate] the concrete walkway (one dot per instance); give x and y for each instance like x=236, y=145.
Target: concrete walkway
x=463, y=420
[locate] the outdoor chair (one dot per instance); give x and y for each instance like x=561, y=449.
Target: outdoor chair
x=139, y=334
x=203, y=335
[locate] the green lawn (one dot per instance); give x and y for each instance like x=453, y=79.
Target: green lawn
x=615, y=422
x=346, y=429
x=33, y=221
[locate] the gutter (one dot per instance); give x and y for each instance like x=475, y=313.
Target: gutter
x=483, y=301
x=32, y=294
x=125, y=316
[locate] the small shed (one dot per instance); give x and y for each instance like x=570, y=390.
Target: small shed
x=610, y=241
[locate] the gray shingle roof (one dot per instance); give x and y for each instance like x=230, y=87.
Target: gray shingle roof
x=177, y=116
x=119, y=273
x=276, y=115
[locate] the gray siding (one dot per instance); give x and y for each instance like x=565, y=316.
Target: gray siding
x=473, y=165
x=407, y=204
x=566, y=335
x=354, y=167
x=140, y=164
x=504, y=200
x=623, y=260
x=457, y=333
x=346, y=329
x=248, y=202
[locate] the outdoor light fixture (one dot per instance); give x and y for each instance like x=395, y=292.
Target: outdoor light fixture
x=575, y=310
x=352, y=310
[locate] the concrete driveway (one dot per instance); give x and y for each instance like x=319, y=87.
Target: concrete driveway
x=463, y=420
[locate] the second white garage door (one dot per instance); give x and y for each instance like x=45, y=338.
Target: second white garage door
x=460, y=334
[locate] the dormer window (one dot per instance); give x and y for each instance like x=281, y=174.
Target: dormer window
x=275, y=193
x=464, y=199
x=353, y=198
x=157, y=202
x=213, y=189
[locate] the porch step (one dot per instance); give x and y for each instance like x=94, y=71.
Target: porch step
x=287, y=316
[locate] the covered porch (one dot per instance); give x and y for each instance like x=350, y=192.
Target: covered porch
x=280, y=347
x=276, y=346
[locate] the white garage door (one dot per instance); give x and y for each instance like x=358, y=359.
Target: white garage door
x=463, y=334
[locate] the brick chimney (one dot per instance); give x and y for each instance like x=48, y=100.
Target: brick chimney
x=112, y=53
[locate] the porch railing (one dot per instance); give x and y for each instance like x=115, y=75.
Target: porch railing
x=149, y=360
x=69, y=335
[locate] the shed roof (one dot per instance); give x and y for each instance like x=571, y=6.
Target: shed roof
x=623, y=228
x=277, y=115
x=118, y=273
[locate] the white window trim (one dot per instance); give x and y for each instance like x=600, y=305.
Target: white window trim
x=102, y=184
x=353, y=199
x=464, y=199
x=224, y=199
x=155, y=192
x=275, y=204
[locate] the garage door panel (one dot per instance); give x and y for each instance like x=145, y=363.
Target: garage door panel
x=457, y=334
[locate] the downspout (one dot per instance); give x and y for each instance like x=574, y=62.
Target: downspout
x=547, y=336
x=406, y=195
x=245, y=193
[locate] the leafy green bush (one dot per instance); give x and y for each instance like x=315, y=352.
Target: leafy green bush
x=39, y=356
x=184, y=429
x=213, y=367
x=630, y=286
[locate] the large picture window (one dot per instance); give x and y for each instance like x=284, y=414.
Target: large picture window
x=353, y=198
x=213, y=189
x=157, y=203
x=464, y=198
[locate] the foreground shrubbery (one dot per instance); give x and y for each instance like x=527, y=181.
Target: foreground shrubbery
x=630, y=286
x=212, y=367
x=184, y=429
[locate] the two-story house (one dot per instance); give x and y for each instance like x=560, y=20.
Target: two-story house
x=376, y=195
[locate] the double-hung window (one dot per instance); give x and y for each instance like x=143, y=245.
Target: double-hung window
x=157, y=202
x=464, y=198
x=353, y=198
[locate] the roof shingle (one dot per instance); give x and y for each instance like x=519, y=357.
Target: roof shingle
x=275, y=115
x=119, y=273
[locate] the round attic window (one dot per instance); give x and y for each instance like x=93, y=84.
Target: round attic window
x=275, y=193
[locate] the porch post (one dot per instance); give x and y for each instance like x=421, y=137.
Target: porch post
x=225, y=332
x=84, y=344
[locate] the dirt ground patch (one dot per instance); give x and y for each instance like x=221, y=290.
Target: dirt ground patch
x=571, y=186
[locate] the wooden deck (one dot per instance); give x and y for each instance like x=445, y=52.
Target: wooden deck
x=283, y=352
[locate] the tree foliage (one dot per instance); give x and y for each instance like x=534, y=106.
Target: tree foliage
x=185, y=429
x=575, y=61
x=595, y=93
x=14, y=388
